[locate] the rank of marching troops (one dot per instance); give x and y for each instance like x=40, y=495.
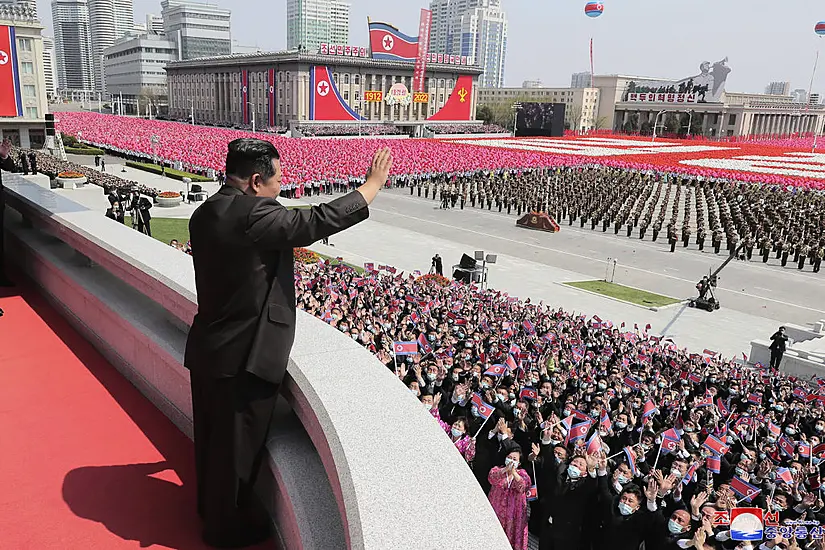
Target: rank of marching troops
x=787, y=225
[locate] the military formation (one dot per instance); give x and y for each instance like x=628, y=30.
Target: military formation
x=726, y=216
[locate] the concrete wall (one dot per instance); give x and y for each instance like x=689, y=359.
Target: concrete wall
x=340, y=469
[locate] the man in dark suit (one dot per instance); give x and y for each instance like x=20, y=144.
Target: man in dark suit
x=7, y=164
x=779, y=340
x=241, y=337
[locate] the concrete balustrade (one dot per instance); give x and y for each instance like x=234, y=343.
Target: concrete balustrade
x=355, y=461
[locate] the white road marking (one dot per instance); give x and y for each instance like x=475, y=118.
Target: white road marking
x=583, y=257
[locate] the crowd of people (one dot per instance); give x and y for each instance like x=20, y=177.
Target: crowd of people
x=767, y=221
x=44, y=163
x=587, y=434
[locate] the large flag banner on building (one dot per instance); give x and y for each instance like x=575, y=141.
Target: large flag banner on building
x=11, y=103
x=270, y=82
x=245, y=95
x=423, y=49
x=389, y=44
x=325, y=102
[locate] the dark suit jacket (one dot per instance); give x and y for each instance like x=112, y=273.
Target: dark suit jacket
x=244, y=274
x=7, y=165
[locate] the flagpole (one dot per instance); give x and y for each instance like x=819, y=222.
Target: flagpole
x=656, y=462
x=482, y=425
x=395, y=362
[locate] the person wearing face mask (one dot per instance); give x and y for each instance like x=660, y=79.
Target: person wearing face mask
x=673, y=534
x=630, y=518
x=508, y=497
x=457, y=431
x=565, y=492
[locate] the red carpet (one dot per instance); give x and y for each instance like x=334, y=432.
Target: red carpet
x=86, y=462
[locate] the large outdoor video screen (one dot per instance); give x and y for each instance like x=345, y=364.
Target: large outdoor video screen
x=540, y=119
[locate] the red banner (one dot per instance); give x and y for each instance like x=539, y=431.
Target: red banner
x=423, y=50
x=458, y=104
x=270, y=81
x=11, y=104
x=325, y=102
x=245, y=95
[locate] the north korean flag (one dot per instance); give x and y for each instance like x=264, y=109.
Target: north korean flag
x=580, y=415
x=528, y=394
x=723, y=408
x=745, y=490
x=714, y=464
x=515, y=350
x=670, y=441
x=804, y=449
x=632, y=383
x=529, y=327
x=578, y=432
x=715, y=445
x=484, y=409
x=532, y=493
x=695, y=378
x=604, y=421
x=631, y=460
x=496, y=370
x=786, y=445
x=511, y=364
x=755, y=398
x=691, y=473
x=405, y=348
x=819, y=449
x=425, y=345
x=389, y=44
x=774, y=429
x=800, y=393
x=594, y=444
x=414, y=317
x=649, y=409
x=704, y=402
x=785, y=475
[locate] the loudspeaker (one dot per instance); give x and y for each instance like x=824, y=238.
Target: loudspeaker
x=463, y=276
x=467, y=262
x=49, y=124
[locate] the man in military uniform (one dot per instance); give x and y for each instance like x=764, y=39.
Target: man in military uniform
x=818, y=255
x=804, y=250
x=716, y=239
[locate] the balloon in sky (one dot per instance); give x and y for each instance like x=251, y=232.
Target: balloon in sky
x=820, y=28
x=595, y=9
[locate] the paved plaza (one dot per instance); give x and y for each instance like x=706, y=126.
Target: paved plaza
x=407, y=231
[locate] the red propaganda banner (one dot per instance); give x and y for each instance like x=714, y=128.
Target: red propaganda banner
x=270, y=81
x=459, y=101
x=245, y=95
x=423, y=50
x=11, y=104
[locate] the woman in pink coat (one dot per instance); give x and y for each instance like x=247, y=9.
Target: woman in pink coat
x=508, y=496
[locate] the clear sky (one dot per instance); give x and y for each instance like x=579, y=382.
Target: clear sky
x=549, y=40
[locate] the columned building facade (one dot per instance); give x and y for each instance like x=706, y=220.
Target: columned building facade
x=211, y=88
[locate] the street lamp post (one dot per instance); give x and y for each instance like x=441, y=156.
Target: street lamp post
x=656, y=123
x=155, y=139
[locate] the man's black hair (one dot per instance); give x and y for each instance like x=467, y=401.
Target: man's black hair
x=247, y=156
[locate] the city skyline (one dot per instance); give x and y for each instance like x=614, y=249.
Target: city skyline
x=559, y=36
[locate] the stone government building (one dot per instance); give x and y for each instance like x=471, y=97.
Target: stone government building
x=288, y=88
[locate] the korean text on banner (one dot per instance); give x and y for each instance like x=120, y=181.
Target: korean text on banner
x=423, y=50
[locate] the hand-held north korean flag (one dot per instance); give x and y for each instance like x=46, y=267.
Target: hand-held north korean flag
x=11, y=102
x=578, y=432
x=496, y=370
x=630, y=456
x=632, y=383
x=670, y=441
x=405, y=348
x=604, y=421
x=715, y=445
x=785, y=475
x=745, y=490
x=528, y=394
x=484, y=409
x=424, y=344
x=774, y=429
x=389, y=44
x=532, y=493
x=649, y=410
x=804, y=449
x=714, y=464
x=594, y=444
x=786, y=445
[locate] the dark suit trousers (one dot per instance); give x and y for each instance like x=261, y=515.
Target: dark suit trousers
x=232, y=418
x=776, y=358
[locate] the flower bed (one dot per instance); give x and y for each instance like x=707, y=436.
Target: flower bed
x=169, y=199
x=305, y=256
x=439, y=280
x=68, y=175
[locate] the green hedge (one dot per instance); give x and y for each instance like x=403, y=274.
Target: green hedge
x=174, y=174
x=84, y=151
